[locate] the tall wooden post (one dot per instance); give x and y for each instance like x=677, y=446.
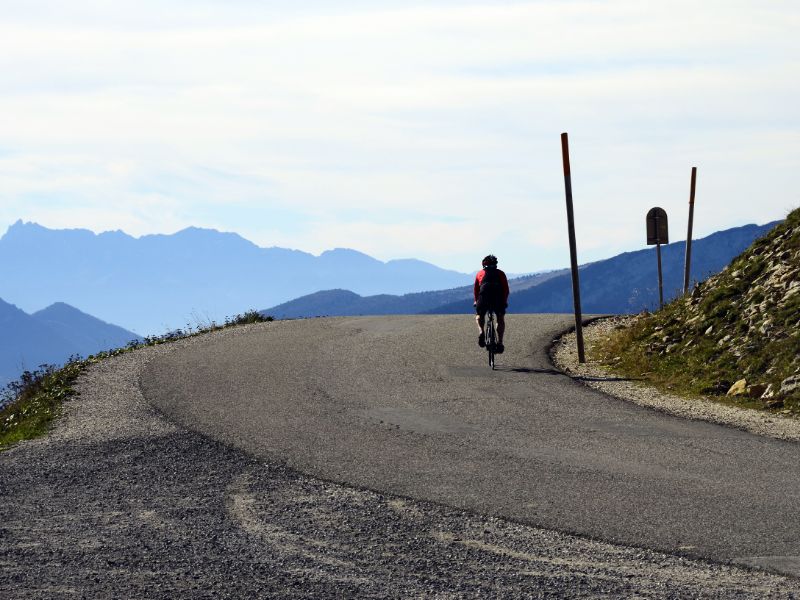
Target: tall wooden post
x=688, y=263
x=573, y=254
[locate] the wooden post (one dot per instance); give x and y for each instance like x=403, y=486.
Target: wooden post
x=688, y=263
x=573, y=254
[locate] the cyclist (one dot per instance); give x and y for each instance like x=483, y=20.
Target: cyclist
x=491, y=293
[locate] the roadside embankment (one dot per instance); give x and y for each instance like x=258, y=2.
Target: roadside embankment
x=594, y=374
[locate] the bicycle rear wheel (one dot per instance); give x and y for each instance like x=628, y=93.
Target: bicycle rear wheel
x=490, y=338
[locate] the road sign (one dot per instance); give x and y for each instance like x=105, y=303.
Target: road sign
x=657, y=234
x=657, y=230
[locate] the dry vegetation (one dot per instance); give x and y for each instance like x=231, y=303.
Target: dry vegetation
x=736, y=336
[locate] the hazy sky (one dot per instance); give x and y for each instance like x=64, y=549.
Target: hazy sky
x=401, y=129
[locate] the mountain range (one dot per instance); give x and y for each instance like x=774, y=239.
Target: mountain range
x=341, y=302
x=51, y=336
x=626, y=283
x=155, y=283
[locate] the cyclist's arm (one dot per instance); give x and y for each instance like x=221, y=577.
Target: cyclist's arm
x=476, y=289
x=504, y=282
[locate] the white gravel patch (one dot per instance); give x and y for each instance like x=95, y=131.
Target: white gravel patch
x=565, y=357
x=111, y=405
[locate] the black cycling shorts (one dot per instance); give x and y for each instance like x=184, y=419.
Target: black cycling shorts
x=483, y=306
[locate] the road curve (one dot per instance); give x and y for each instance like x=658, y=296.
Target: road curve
x=406, y=405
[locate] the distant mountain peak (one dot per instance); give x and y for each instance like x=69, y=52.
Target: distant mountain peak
x=201, y=231
x=28, y=231
x=344, y=252
x=20, y=227
x=350, y=255
x=59, y=308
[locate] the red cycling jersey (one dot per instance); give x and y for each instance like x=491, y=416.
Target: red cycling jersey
x=503, y=281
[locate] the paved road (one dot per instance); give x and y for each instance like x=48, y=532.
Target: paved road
x=117, y=502
x=406, y=405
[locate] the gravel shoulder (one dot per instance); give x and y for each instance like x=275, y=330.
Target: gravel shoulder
x=119, y=502
x=565, y=356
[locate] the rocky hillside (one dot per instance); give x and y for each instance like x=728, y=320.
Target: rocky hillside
x=628, y=283
x=737, y=334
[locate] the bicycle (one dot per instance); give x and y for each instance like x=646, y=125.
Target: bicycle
x=491, y=337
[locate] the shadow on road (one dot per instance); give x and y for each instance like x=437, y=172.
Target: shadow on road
x=510, y=369
x=582, y=378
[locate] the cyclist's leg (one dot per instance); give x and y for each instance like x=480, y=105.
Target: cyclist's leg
x=481, y=321
x=501, y=325
x=480, y=313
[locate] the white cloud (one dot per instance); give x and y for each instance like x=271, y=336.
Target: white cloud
x=154, y=116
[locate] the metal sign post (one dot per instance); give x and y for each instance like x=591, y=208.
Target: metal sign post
x=660, y=278
x=573, y=254
x=657, y=233
x=688, y=263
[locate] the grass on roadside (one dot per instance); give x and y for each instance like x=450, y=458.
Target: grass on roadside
x=625, y=353
x=741, y=324
x=704, y=370
x=30, y=405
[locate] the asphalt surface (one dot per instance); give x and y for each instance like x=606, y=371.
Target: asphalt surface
x=407, y=406
x=119, y=502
